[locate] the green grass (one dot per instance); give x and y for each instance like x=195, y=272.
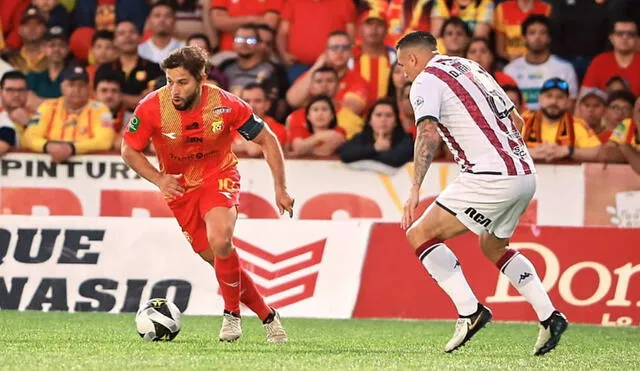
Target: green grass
x=89, y=341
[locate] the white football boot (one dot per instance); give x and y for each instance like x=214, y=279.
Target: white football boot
x=275, y=330
x=466, y=327
x=231, y=329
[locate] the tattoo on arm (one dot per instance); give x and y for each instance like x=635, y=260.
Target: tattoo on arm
x=427, y=140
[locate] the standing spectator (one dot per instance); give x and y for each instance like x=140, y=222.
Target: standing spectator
x=71, y=124
x=373, y=58
x=579, y=30
x=54, y=13
x=228, y=15
x=136, y=71
x=455, y=37
x=619, y=108
x=508, y=20
x=13, y=96
x=322, y=136
x=480, y=51
x=382, y=139
x=477, y=14
x=30, y=58
x=256, y=96
x=627, y=137
x=395, y=83
x=299, y=44
x=103, y=51
x=108, y=91
x=538, y=64
x=46, y=84
x=162, y=21
x=591, y=109
x=11, y=13
x=353, y=91
x=623, y=61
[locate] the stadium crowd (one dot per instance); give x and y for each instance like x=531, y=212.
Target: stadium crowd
x=322, y=73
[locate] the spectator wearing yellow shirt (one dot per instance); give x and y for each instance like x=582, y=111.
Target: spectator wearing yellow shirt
x=508, y=19
x=30, y=58
x=552, y=133
x=71, y=124
x=477, y=14
x=626, y=136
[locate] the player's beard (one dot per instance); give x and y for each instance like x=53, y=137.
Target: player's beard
x=554, y=116
x=188, y=102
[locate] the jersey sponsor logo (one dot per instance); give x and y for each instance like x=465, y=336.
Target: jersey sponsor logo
x=222, y=109
x=170, y=135
x=477, y=217
x=134, y=124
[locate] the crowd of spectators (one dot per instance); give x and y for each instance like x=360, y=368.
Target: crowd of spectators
x=322, y=73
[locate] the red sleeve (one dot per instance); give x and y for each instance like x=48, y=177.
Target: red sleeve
x=357, y=86
x=240, y=110
x=297, y=126
x=140, y=127
x=287, y=11
x=591, y=78
x=278, y=129
x=220, y=4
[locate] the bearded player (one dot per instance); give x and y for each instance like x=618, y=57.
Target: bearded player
x=192, y=127
x=458, y=101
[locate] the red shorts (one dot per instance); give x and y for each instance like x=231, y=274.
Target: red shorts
x=222, y=190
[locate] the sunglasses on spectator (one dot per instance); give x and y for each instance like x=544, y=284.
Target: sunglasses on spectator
x=245, y=40
x=625, y=33
x=555, y=84
x=339, y=48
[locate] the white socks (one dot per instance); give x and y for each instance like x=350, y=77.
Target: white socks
x=523, y=277
x=444, y=267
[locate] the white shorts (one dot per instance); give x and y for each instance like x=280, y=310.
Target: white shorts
x=492, y=203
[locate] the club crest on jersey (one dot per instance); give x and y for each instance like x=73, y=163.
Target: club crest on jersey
x=216, y=126
x=134, y=124
x=221, y=110
x=419, y=102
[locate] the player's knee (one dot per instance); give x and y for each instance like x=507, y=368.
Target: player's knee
x=221, y=246
x=417, y=236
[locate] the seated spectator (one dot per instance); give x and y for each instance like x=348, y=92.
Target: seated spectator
x=256, y=96
x=626, y=136
x=266, y=47
x=455, y=37
x=54, y=13
x=46, y=84
x=136, y=71
x=407, y=118
x=8, y=137
x=300, y=45
x=10, y=14
x=515, y=95
x=108, y=91
x=383, y=138
x=353, y=91
x=615, y=83
x=13, y=97
x=30, y=58
x=201, y=41
x=477, y=14
x=538, y=64
x=480, y=51
x=591, y=109
x=321, y=137
x=103, y=51
x=508, y=21
x=71, y=124
x=396, y=81
x=324, y=81
x=623, y=61
x=373, y=58
x=217, y=78
x=162, y=22
x=552, y=133
x=619, y=108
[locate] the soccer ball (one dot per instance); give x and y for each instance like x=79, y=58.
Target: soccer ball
x=158, y=320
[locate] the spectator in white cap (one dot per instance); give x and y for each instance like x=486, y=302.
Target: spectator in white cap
x=591, y=108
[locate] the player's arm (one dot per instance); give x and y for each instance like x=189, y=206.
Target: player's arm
x=425, y=149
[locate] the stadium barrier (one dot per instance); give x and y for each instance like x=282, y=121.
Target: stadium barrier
x=102, y=185
x=337, y=269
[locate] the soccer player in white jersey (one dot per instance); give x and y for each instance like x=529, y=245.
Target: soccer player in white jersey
x=456, y=100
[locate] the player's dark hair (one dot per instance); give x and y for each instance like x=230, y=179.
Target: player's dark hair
x=250, y=26
x=338, y=33
x=254, y=86
x=191, y=58
x=612, y=26
x=102, y=35
x=321, y=98
x=515, y=89
x=535, y=19
x=200, y=36
x=417, y=38
x=326, y=69
x=12, y=75
x=456, y=22
x=166, y=3
x=108, y=75
x=624, y=95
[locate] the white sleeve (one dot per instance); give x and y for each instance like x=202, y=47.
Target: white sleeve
x=426, y=98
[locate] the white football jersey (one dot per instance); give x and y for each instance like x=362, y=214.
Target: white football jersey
x=472, y=111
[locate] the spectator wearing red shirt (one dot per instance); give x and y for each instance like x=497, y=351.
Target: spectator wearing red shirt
x=305, y=27
x=479, y=51
x=321, y=137
x=228, y=15
x=255, y=95
x=623, y=61
x=353, y=90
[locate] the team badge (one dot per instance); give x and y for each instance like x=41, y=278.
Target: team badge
x=134, y=124
x=221, y=110
x=216, y=126
x=141, y=75
x=419, y=102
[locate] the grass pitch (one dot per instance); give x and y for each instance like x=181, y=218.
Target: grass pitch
x=90, y=341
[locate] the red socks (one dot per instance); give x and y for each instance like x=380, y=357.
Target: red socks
x=252, y=298
x=228, y=274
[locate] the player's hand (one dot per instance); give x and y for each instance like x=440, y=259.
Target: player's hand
x=169, y=186
x=410, y=207
x=284, y=202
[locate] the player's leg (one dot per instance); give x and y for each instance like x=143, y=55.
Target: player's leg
x=520, y=270
x=427, y=236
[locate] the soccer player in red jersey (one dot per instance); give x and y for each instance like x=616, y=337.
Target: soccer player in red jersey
x=192, y=126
